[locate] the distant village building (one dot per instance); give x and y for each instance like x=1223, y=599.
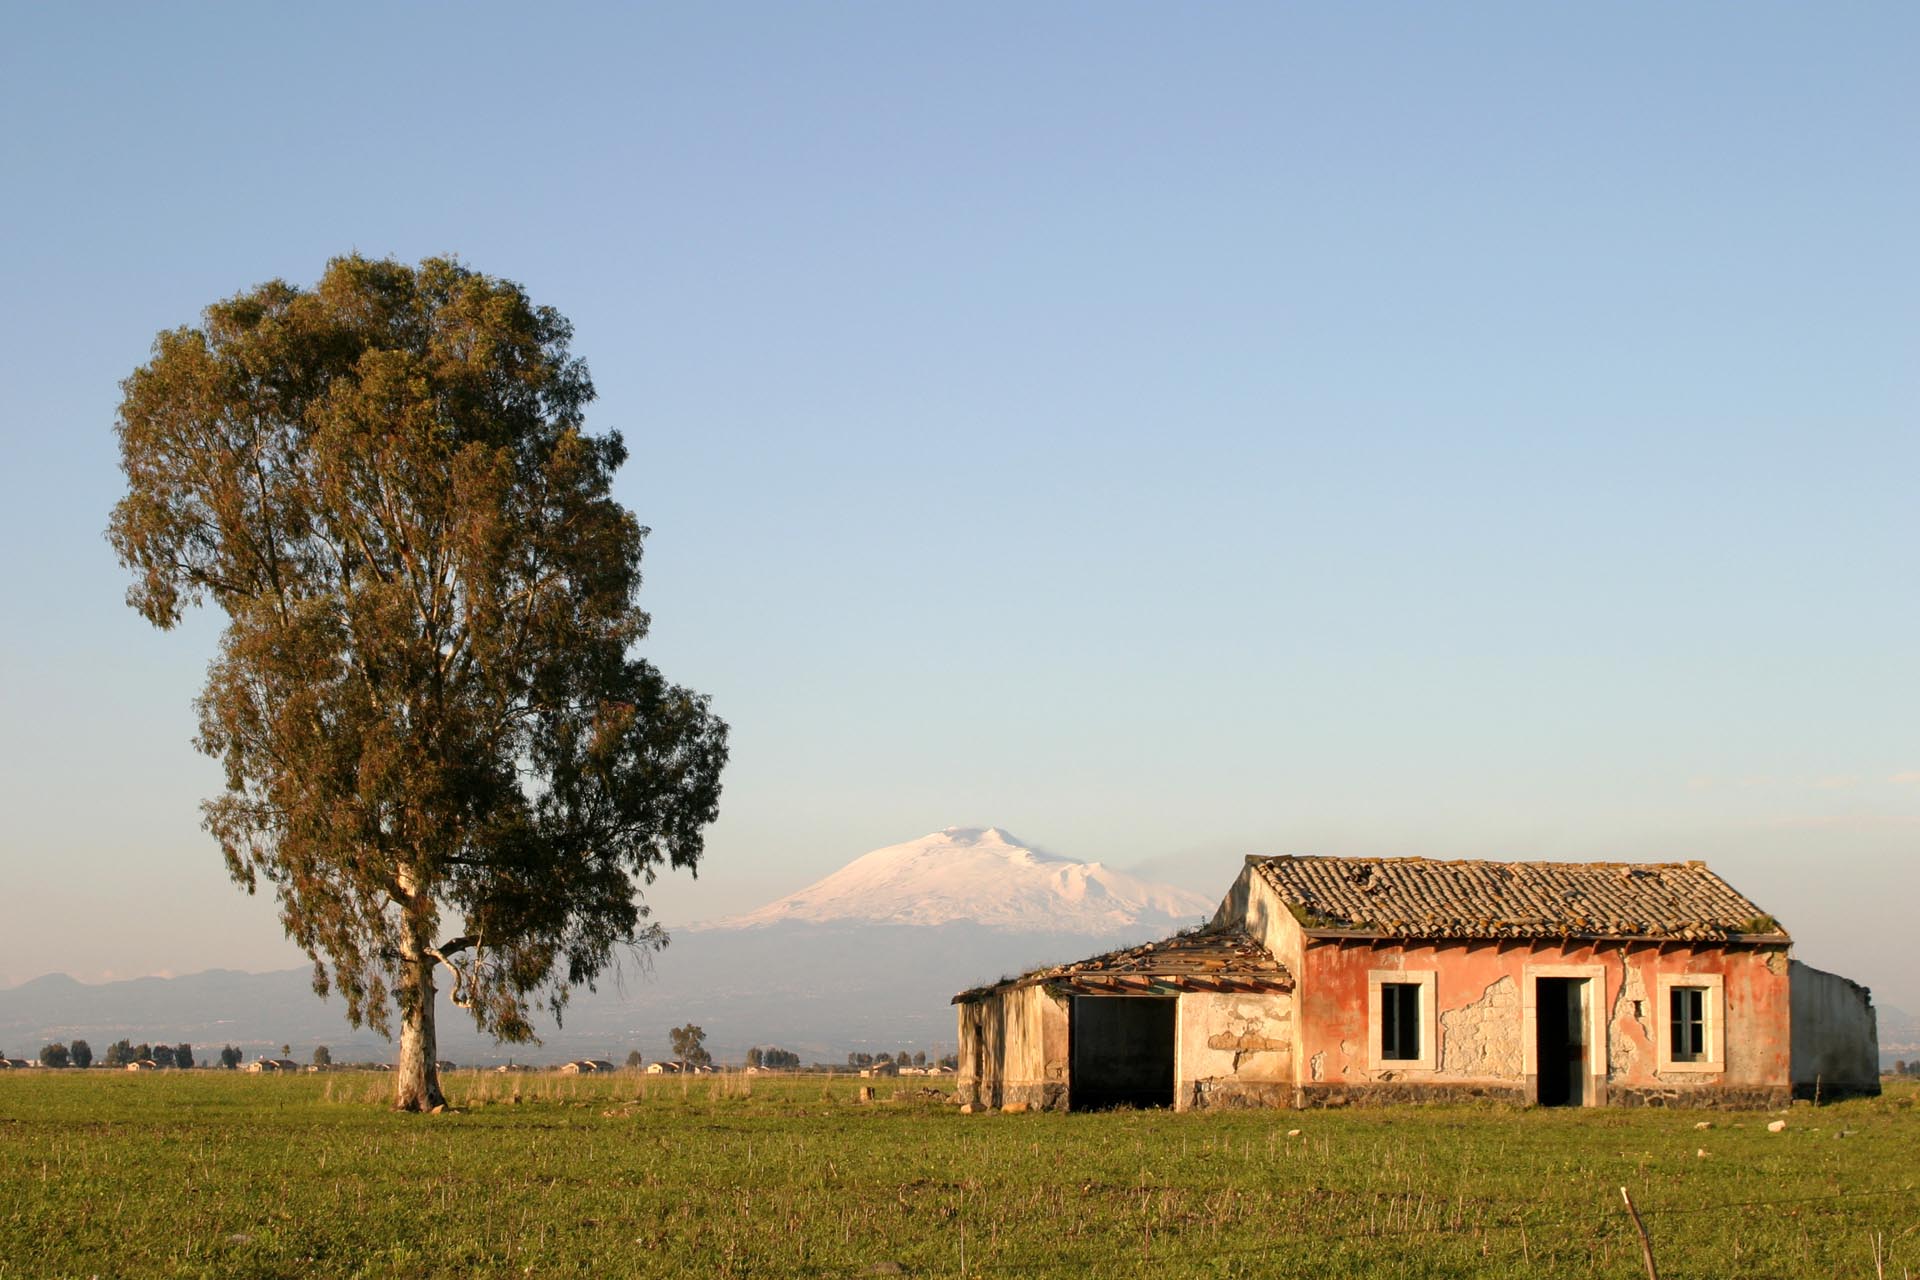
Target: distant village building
x=663, y=1068
x=14, y=1064
x=586, y=1067
x=144, y=1064
x=1323, y=981
x=266, y=1066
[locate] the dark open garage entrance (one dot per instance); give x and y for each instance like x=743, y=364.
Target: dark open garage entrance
x=1122, y=1051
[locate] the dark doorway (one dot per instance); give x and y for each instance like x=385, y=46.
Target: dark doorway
x=1560, y=1051
x=1121, y=1051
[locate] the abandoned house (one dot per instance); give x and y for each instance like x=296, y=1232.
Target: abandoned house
x=1323, y=981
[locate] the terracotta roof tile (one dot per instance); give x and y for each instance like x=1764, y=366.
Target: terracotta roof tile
x=1205, y=959
x=1422, y=898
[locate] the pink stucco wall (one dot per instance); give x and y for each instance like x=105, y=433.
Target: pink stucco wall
x=1481, y=993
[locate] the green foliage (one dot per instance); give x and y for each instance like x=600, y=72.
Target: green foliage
x=787, y=1177
x=322, y=1056
x=689, y=1046
x=80, y=1053
x=162, y=1055
x=426, y=698
x=635, y=1058
x=183, y=1056
x=230, y=1057
x=54, y=1055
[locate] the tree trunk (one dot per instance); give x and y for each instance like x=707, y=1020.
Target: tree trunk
x=416, y=1078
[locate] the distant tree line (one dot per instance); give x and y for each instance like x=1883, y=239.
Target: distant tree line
x=902, y=1058
x=123, y=1053
x=688, y=1043
x=773, y=1059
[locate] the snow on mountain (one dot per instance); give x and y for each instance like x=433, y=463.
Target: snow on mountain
x=986, y=877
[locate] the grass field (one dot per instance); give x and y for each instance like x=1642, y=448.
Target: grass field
x=213, y=1174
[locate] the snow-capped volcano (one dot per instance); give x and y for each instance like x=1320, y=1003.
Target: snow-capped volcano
x=986, y=877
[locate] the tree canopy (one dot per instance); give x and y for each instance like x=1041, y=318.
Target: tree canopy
x=690, y=1045
x=440, y=748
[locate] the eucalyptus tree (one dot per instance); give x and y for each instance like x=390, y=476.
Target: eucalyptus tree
x=441, y=749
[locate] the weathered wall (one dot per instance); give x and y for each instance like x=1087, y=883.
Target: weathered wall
x=1013, y=1048
x=1836, y=1035
x=1253, y=906
x=1234, y=1050
x=1483, y=992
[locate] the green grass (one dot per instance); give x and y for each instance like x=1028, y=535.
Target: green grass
x=213, y=1174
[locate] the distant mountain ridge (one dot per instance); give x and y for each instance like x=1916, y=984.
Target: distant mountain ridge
x=982, y=876
x=865, y=958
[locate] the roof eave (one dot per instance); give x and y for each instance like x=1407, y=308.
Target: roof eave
x=1364, y=935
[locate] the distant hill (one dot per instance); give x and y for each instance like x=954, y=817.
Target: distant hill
x=1899, y=1035
x=865, y=959
x=983, y=876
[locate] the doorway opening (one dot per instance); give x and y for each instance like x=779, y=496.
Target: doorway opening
x=1561, y=1049
x=1121, y=1051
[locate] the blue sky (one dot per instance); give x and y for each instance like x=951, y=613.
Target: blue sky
x=1168, y=433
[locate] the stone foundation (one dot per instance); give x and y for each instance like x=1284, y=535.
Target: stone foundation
x=1219, y=1095
x=1041, y=1096
x=1396, y=1093
x=1701, y=1097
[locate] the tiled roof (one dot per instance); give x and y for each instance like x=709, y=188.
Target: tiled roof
x=1208, y=959
x=1418, y=898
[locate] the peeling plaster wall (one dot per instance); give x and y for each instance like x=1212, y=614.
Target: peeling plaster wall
x=1836, y=1034
x=1480, y=989
x=1630, y=1048
x=1253, y=906
x=1013, y=1048
x=1481, y=1039
x=1233, y=1050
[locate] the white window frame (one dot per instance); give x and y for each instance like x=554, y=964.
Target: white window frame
x=1714, y=1010
x=1425, y=979
x=1599, y=1052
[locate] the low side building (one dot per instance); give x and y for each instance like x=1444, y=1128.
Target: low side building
x=1836, y=1035
x=1203, y=1018
x=1325, y=981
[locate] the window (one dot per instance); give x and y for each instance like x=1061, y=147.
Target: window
x=1687, y=1021
x=1690, y=1015
x=1400, y=1021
